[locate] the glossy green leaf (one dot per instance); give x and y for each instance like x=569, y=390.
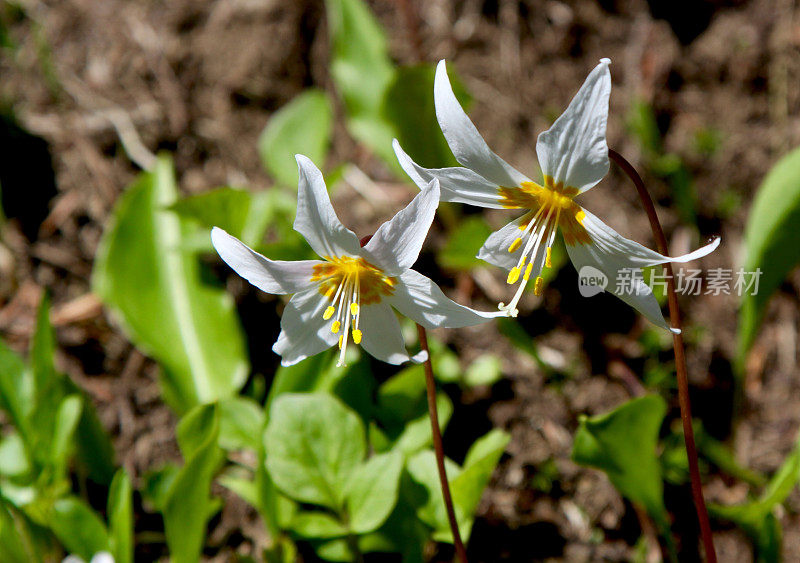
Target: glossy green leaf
x=770, y=241
x=157, y=293
x=314, y=444
x=120, y=518
x=187, y=506
x=622, y=443
x=460, y=251
x=78, y=527
x=241, y=421
x=302, y=126
x=317, y=525
x=372, y=491
x=362, y=71
x=241, y=213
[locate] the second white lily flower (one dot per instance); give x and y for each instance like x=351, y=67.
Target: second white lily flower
x=573, y=156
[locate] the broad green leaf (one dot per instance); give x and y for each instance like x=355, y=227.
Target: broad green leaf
x=317, y=525
x=12, y=546
x=156, y=485
x=14, y=460
x=362, y=71
x=241, y=422
x=622, y=443
x=408, y=106
x=313, y=445
x=188, y=506
x=418, y=434
x=241, y=213
x=485, y=370
x=303, y=377
x=770, y=241
x=460, y=251
x=16, y=391
x=372, y=491
x=78, y=528
x=302, y=126
x=120, y=518
x=157, y=293
x=423, y=470
x=758, y=518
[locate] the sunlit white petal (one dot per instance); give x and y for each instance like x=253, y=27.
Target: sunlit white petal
x=304, y=332
x=271, y=276
x=460, y=185
x=316, y=219
x=382, y=337
x=463, y=138
x=495, y=249
x=574, y=149
x=421, y=300
x=396, y=244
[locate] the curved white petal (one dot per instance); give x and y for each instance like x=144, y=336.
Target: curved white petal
x=460, y=185
x=272, y=276
x=467, y=145
x=614, y=245
x=495, y=249
x=304, y=332
x=396, y=244
x=574, y=149
x=421, y=300
x=102, y=557
x=636, y=293
x=316, y=219
x=381, y=334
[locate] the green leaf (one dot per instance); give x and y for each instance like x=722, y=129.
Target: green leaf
x=303, y=126
x=14, y=461
x=622, y=443
x=12, y=546
x=120, y=518
x=16, y=391
x=66, y=421
x=408, y=106
x=78, y=528
x=317, y=525
x=770, y=241
x=460, y=251
x=372, y=492
x=241, y=421
x=157, y=292
x=417, y=434
x=188, y=506
x=362, y=72
x=485, y=370
x=423, y=469
x=242, y=214
x=314, y=444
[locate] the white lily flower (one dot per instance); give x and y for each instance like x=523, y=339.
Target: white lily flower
x=99, y=557
x=573, y=156
x=351, y=291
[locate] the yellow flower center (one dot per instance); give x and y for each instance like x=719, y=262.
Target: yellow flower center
x=348, y=283
x=550, y=206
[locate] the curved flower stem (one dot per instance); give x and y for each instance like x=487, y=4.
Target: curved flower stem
x=680, y=357
x=430, y=383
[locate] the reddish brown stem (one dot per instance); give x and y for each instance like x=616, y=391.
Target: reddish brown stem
x=430, y=383
x=680, y=357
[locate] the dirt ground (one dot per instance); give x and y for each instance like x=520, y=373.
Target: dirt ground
x=201, y=79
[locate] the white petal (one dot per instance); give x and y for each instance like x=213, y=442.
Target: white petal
x=102, y=557
x=381, y=335
x=304, y=332
x=495, y=249
x=460, y=185
x=316, y=219
x=421, y=300
x=574, y=149
x=466, y=143
x=611, y=243
x=72, y=559
x=638, y=295
x=272, y=276
x=396, y=244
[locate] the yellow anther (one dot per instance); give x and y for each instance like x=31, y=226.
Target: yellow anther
x=515, y=245
x=336, y=326
x=537, y=286
x=330, y=291
x=354, y=309
x=580, y=216
x=329, y=312
x=357, y=336
x=513, y=275
x=527, y=275
x=341, y=341
x=547, y=262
